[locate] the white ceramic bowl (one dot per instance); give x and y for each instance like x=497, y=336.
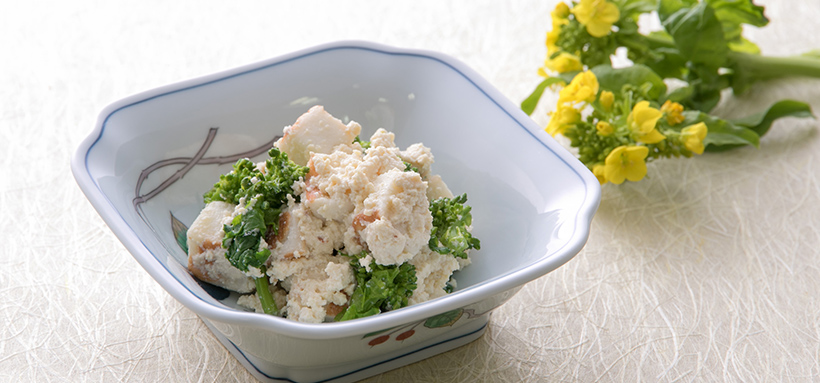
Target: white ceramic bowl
x=151, y=156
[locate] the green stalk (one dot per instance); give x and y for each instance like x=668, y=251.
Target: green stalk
x=755, y=66
x=263, y=292
x=758, y=67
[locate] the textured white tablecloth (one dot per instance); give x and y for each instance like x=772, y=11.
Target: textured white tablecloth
x=707, y=271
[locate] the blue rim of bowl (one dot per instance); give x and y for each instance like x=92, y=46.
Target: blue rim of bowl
x=234, y=349
x=486, y=289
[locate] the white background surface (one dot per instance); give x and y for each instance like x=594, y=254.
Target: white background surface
x=707, y=271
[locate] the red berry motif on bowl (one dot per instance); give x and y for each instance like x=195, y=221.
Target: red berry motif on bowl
x=405, y=335
x=446, y=319
x=379, y=340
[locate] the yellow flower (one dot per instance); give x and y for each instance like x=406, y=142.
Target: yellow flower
x=597, y=16
x=642, y=121
x=561, y=12
x=626, y=162
x=604, y=128
x=559, y=19
x=692, y=137
x=564, y=62
x=599, y=170
x=606, y=100
x=552, y=40
x=561, y=118
x=673, y=112
x=583, y=87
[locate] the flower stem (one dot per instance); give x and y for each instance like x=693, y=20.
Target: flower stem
x=758, y=67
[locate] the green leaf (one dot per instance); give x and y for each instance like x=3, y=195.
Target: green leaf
x=180, y=233
x=374, y=333
x=667, y=63
x=242, y=239
x=748, y=130
x=745, y=46
x=637, y=76
x=529, y=104
x=667, y=8
x=761, y=122
x=698, y=34
x=680, y=94
x=444, y=319
x=706, y=83
x=734, y=13
x=721, y=134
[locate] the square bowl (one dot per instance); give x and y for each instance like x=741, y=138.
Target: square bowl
x=151, y=156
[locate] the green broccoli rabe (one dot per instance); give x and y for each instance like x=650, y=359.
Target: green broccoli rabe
x=265, y=196
x=408, y=167
x=242, y=239
x=451, y=223
x=365, y=144
x=381, y=289
x=268, y=191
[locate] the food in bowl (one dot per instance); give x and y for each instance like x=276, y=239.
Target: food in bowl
x=331, y=227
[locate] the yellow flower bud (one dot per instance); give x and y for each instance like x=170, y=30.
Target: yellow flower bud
x=626, y=163
x=607, y=99
x=604, y=128
x=673, y=112
x=597, y=16
x=642, y=121
x=692, y=137
x=561, y=11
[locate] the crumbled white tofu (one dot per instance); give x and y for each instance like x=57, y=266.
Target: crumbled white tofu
x=419, y=156
x=351, y=200
x=433, y=271
x=402, y=220
x=251, y=301
x=301, y=233
x=317, y=285
x=384, y=208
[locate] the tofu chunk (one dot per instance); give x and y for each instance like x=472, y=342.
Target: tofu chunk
x=315, y=132
x=206, y=257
